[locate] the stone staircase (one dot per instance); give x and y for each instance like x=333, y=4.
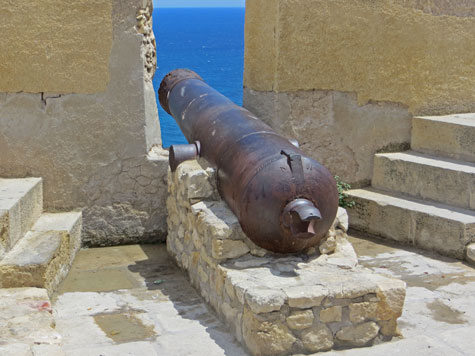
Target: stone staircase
x=426, y=196
x=36, y=248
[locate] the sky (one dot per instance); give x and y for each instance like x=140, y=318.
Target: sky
x=198, y=3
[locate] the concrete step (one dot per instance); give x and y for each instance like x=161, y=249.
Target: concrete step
x=426, y=177
x=21, y=203
x=432, y=226
x=450, y=136
x=42, y=258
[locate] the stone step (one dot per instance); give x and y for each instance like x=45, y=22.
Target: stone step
x=21, y=203
x=426, y=177
x=431, y=226
x=450, y=136
x=42, y=258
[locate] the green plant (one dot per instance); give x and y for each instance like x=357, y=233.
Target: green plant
x=343, y=200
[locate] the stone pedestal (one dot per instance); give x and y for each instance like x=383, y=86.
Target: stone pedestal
x=276, y=304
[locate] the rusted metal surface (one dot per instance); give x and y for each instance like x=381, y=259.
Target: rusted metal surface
x=284, y=200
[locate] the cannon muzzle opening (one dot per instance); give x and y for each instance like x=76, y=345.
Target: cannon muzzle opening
x=300, y=216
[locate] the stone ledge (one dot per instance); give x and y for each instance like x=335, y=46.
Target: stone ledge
x=276, y=304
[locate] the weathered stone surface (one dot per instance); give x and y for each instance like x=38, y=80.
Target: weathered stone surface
x=363, y=311
x=358, y=335
x=116, y=174
x=196, y=181
x=56, y=64
x=447, y=136
x=305, y=297
x=263, y=300
x=288, y=52
x=228, y=249
x=21, y=203
x=438, y=227
x=318, y=338
x=260, y=297
x=471, y=253
x=300, y=320
x=42, y=258
x=264, y=337
x=25, y=317
x=408, y=173
x=341, y=220
x=330, y=315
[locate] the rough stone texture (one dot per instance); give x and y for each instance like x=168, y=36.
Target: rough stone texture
x=264, y=337
x=451, y=182
x=424, y=199
x=299, y=320
x=332, y=314
x=97, y=152
x=35, y=57
x=471, y=253
x=316, y=339
x=274, y=304
x=43, y=257
x=431, y=226
x=321, y=120
x=358, y=335
x=449, y=136
x=26, y=318
x=378, y=50
x=21, y=203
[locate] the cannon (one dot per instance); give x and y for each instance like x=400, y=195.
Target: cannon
x=284, y=200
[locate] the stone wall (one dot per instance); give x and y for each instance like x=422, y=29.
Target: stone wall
x=276, y=304
x=344, y=77
x=80, y=112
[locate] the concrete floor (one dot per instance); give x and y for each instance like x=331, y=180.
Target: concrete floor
x=132, y=300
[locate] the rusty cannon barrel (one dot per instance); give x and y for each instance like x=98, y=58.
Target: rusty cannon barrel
x=284, y=200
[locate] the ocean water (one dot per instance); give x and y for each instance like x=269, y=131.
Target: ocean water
x=207, y=41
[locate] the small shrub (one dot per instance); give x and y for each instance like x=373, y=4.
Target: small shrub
x=343, y=200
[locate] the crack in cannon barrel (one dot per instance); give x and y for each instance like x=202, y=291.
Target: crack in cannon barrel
x=284, y=200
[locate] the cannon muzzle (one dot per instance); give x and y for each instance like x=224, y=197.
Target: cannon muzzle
x=284, y=200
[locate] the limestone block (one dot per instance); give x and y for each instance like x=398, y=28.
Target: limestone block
x=263, y=300
x=222, y=249
x=389, y=327
x=195, y=180
x=215, y=219
x=438, y=227
x=308, y=297
x=266, y=338
x=330, y=315
x=341, y=220
x=43, y=257
x=447, y=136
x=471, y=253
x=358, y=335
x=318, y=338
x=21, y=203
x=409, y=172
x=328, y=245
x=299, y=320
x=363, y=311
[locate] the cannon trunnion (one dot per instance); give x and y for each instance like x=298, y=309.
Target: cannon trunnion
x=284, y=200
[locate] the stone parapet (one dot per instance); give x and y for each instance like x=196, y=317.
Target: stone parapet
x=276, y=304
x=85, y=119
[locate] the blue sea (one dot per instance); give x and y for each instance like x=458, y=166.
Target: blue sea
x=209, y=41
